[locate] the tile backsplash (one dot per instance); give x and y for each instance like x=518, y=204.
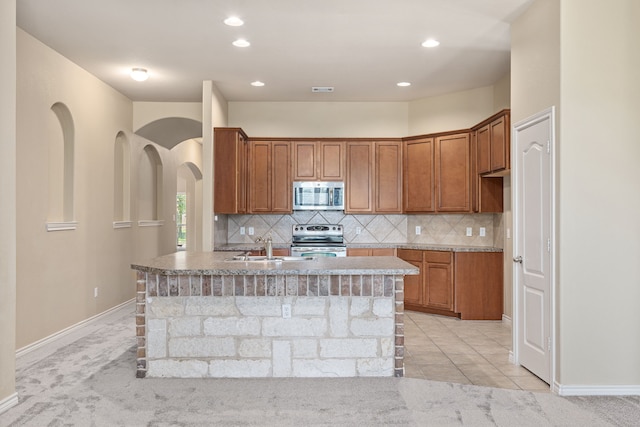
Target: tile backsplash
x=364, y=229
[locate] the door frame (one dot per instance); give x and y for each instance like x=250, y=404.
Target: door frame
x=550, y=114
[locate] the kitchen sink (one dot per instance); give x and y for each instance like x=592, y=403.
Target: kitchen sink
x=262, y=258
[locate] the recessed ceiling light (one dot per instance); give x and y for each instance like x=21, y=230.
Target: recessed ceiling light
x=404, y=84
x=241, y=43
x=139, y=74
x=430, y=43
x=257, y=83
x=234, y=21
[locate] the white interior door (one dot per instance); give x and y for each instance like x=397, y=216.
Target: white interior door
x=533, y=140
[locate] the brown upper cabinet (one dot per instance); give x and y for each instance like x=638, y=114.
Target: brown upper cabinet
x=437, y=173
x=318, y=160
x=493, y=144
x=373, y=181
x=453, y=173
x=230, y=148
x=270, y=177
x=419, y=176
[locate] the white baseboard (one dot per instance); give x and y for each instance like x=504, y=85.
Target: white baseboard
x=73, y=328
x=506, y=319
x=596, y=390
x=512, y=358
x=8, y=402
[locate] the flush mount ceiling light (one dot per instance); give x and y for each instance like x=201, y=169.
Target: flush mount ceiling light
x=257, y=83
x=241, y=43
x=430, y=43
x=139, y=74
x=234, y=21
x=403, y=84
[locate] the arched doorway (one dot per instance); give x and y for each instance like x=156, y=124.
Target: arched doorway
x=189, y=208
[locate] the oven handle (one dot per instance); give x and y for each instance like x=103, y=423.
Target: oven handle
x=312, y=254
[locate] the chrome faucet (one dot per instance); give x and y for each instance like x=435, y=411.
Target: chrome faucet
x=268, y=245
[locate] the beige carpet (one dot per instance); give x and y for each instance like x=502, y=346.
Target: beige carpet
x=88, y=379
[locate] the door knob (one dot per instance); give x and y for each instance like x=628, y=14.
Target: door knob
x=518, y=259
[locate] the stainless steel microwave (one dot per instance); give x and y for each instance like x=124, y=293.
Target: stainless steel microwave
x=318, y=195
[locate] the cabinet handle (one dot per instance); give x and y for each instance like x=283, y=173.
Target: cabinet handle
x=518, y=259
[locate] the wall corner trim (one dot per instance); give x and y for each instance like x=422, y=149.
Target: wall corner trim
x=62, y=226
x=8, y=402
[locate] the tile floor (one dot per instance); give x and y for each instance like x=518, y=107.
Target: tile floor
x=442, y=348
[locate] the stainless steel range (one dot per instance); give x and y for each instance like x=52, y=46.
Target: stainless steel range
x=318, y=240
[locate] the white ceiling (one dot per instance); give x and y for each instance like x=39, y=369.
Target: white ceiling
x=360, y=47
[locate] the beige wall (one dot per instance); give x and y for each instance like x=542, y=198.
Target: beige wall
x=7, y=206
x=147, y=112
x=502, y=93
x=320, y=119
x=556, y=60
x=458, y=110
x=215, y=113
x=58, y=271
x=598, y=193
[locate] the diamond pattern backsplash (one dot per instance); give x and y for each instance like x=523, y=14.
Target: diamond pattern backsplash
x=373, y=229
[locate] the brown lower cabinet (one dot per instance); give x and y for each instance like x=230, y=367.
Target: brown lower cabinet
x=371, y=252
x=467, y=285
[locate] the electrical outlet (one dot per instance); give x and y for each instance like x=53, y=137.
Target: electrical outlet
x=286, y=311
x=418, y=230
x=483, y=231
x=469, y=231
x=242, y=231
x=95, y=292
x=358, y=230
x=251, y=231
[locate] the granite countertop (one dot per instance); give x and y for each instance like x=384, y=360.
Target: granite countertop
x=215, y=263
x=418, y=246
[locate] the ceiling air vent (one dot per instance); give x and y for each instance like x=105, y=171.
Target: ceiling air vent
x=321, y=89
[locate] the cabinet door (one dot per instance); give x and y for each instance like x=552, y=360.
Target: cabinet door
x=388, y=177
x=453, y=173
x=280, y=171
x=270, y=177
x=383, y=252
x=413, y=285
x=260, y=177
x=305, y=158
x=499, y=144
x=419, y=176
x=229, y=176
x=438, y=280
x=483, y=150
x=331, y=161
x=358, y=252
x=359, y=178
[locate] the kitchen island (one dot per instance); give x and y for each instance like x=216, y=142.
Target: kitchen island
x=204, y=314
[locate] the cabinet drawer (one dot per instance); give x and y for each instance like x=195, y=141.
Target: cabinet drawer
x=438, y=256
x=410, y=255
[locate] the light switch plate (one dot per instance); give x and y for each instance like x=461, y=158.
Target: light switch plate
x=483, y=231
x=418, y=230
x=242, y=231
x=469, y=231
x=251, y=231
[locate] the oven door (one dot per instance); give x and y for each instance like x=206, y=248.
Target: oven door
x=317, y=251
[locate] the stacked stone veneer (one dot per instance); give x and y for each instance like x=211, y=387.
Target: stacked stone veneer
x=233, y=326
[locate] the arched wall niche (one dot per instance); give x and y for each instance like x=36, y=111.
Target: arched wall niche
x=60, y=215
x=150, y=185
x=122, y=181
